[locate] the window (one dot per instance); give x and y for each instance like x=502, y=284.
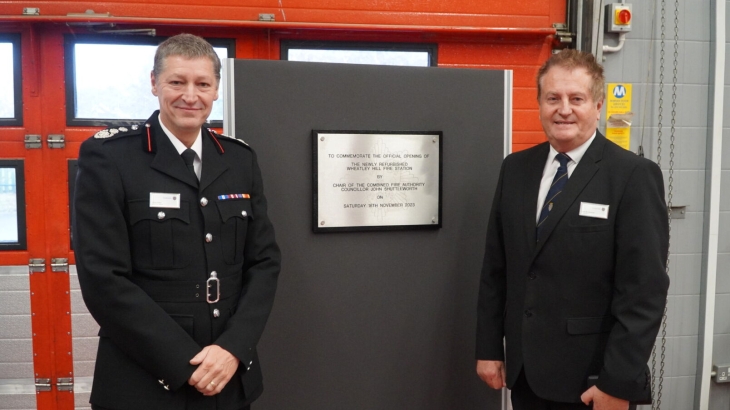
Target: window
x=108, y=82
x=11, y=103
x=414, y=55
x=12, y=205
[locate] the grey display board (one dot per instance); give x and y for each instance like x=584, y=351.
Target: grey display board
x=373, y=320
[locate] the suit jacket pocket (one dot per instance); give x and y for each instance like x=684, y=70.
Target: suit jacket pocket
x=596, y=227
x=589, y=325
x=584, y=224
x=159, y=235
x=234, y=226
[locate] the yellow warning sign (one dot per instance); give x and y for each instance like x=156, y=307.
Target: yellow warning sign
x=618, y=114
x=621, y=136
x=618, y=99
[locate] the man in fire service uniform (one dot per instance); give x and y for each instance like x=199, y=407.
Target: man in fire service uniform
x=176, y=255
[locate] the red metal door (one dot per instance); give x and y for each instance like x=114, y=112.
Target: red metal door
x=30, y=268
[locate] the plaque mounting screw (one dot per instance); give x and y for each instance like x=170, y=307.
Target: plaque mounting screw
x=433, y=220
x=321, y=223
x=433, y=140
x=321, y=138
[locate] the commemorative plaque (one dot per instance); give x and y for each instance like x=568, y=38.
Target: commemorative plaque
x=376, y=180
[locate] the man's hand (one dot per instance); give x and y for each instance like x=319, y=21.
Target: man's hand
x=603, y=401
x=216, y=367
x=492, y=373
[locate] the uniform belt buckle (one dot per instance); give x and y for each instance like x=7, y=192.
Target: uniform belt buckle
x=213, y=279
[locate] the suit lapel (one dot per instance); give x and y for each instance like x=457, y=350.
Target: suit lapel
x=167, y=159
x=583, y=173
x=213, y=164
x=533, y=175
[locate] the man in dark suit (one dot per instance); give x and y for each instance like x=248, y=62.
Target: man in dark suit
x=574, y=276
x=176, y=256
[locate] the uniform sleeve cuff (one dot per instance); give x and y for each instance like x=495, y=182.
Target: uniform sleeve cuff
x=636, y=391
x=179, y=380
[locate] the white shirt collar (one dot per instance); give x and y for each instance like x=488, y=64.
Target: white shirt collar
x=576, y=154
x=551, y=167
x=179, y=146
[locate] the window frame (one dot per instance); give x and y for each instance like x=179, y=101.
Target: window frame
x=70, y=40
x=430, y=48
x=17, y=119
x=22, y=243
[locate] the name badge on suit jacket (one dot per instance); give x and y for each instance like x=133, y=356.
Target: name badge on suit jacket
x=164, y=200
x=593, y=210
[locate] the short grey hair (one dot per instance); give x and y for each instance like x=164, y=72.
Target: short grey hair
x=570, y=60
x=187, y=46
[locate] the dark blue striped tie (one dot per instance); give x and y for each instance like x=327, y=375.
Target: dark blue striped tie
x=559, y=181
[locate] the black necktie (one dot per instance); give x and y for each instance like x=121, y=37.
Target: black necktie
x=559, y=181
x=189, y=157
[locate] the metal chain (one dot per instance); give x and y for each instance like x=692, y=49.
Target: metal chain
x=661, y=88
x=656, y=401
x=670, y=188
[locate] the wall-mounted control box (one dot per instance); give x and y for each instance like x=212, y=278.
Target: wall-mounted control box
x=721, y=373
x=618, y=17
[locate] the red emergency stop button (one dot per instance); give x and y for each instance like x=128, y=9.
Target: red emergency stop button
x=623, y=17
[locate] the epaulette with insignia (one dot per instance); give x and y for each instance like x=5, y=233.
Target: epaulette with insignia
x=212, y=131
x=110, y=132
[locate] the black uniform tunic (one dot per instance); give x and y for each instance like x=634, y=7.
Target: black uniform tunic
x=144, y=265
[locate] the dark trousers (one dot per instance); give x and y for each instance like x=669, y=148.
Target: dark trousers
x=523, y=398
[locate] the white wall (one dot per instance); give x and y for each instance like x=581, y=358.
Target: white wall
x=638, y=64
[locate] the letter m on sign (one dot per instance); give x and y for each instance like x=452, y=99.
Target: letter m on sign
x=619, y=91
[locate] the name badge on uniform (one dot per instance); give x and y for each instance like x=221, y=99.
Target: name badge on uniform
x=164, y=200
x=593, y=210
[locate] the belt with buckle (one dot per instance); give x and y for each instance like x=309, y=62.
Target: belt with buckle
x=211, y=290
x=213, y=280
